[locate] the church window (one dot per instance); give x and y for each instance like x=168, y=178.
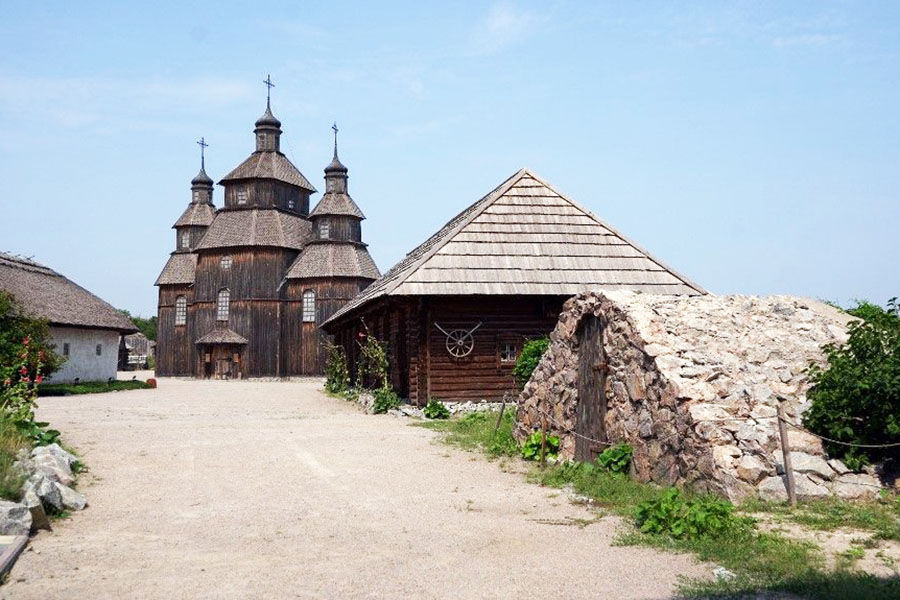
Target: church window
x=222, y=305
x=66, y=349
x=99, y=349
x=196, y=195
x=225, y=263
x=324, y=231
x=185, y=239
x=309, y=306
x=261, y=142
x=180, y=310
x=290, y=205
x=242, y=196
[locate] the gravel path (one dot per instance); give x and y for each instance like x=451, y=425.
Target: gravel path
x=274, y=490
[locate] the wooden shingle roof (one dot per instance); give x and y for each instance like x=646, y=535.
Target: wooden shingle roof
x=333, y=259
x=198, y=214
x=179, y=269
x=525, y=237
x=46, y=294
x=269, y=165
x=256, y=227
x=337, y=203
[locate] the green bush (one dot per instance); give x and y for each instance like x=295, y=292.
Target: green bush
x=531, y=450
x=385, y=399
x=856, y=398
x=89, y=387
x=337, y=377
x=674, y=516
x=529, y=358
x=616, y=458
x=435, y=409
x=11, y=442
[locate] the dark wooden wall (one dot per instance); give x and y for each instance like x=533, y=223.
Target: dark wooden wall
x=267, y=193
x=175, y=351
x=421, y=366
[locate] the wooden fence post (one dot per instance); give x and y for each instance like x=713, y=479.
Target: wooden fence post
x=786, y=454
x=500, y=416
x=543, y=441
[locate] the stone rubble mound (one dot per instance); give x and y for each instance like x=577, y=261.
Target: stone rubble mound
x=693, y=384
x=47, y=489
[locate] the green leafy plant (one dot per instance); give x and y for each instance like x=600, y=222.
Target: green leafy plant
x=674, y=516
x=856, y=398
x=337, y=377
x=435, y=409
x=531, y=449
x=616, y=458
x=385, y=399
x=529, y=358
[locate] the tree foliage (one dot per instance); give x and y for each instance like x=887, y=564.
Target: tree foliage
x=529, y=358
x=145, y=326
x=16, y=326
x=856, y=398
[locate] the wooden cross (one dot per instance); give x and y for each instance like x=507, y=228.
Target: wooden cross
x=335, y=129
x=269, y=86
x=202, y=143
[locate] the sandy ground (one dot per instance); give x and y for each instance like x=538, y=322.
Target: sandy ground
x=274, y=490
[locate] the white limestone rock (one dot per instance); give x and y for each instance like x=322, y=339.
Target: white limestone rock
x=801, y=462
x=854, y=486
x=54, y=467
x=71, y=499
x=57, y=451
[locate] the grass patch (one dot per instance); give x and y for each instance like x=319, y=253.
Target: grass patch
x=761, y=561
x=11, y=480
x=882, y=517
x=475, y=431
x=89, y=387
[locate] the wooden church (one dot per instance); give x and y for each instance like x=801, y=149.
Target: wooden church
x=456, y=311
x=248, y=284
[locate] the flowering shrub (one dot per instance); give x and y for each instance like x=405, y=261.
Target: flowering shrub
x=18, y=392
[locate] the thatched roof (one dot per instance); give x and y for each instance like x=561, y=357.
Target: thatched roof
x=179, y=269
x=199, y=214
x=48, y=295
x=337, y=203
x=269, y=165
x=222, y=336
x=333, y=259
x=524, y=237
x=256, y=227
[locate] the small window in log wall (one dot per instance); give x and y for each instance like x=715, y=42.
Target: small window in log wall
x=222, y=305
x=508, y=352
x=196, y=195
x=324, y=230
x=309, y=306
x=225, y=262
x=180, y=310
x=185, y=239
x=290, y=205
x=242, y=196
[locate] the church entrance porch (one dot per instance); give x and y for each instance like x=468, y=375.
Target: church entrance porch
x=221, y=355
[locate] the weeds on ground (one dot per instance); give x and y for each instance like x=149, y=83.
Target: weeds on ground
x=89, y=387
x=879, y=516
x=475, y=431
x=760, y=561
x=11, y=441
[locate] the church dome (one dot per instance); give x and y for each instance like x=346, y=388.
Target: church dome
x=335, y=166
x=268, y=119
x=202, y=178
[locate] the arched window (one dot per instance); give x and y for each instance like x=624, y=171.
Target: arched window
x=225, y=262
x=180, y=310
x=222, y=305
x=309, y=306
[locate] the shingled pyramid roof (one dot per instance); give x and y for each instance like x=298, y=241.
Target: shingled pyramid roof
x=269, y=165
x=524, y=238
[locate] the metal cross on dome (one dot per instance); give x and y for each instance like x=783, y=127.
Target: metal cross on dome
x=269, y=86
x=203, y=145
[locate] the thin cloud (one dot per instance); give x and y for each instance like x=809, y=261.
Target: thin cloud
x=503, y=26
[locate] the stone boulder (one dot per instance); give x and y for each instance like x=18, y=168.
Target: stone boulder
x=71, y=499
x=57, y=451
x=45, y=489
x=55, y=468
x=15, y=519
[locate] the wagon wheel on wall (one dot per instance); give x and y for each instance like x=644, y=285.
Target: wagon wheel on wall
x=459, y=342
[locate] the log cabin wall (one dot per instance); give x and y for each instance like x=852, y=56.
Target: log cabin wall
x=266, y=193
x=175, y=344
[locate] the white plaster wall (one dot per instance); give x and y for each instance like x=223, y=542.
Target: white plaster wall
x=83, y=361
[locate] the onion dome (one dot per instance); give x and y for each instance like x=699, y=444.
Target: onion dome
x=268, y=120
x=202, y=178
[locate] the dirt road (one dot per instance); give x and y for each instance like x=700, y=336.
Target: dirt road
x=273, y=490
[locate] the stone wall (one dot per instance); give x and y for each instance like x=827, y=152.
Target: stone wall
x=692, y=385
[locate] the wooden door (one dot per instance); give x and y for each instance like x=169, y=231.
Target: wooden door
x=591, y=408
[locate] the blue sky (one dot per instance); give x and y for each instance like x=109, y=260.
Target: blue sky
x=753, y=146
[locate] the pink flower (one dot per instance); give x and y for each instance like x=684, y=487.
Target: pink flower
x=26, y=379
x=39, y=379
x=26, y=341
x=23, y=371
